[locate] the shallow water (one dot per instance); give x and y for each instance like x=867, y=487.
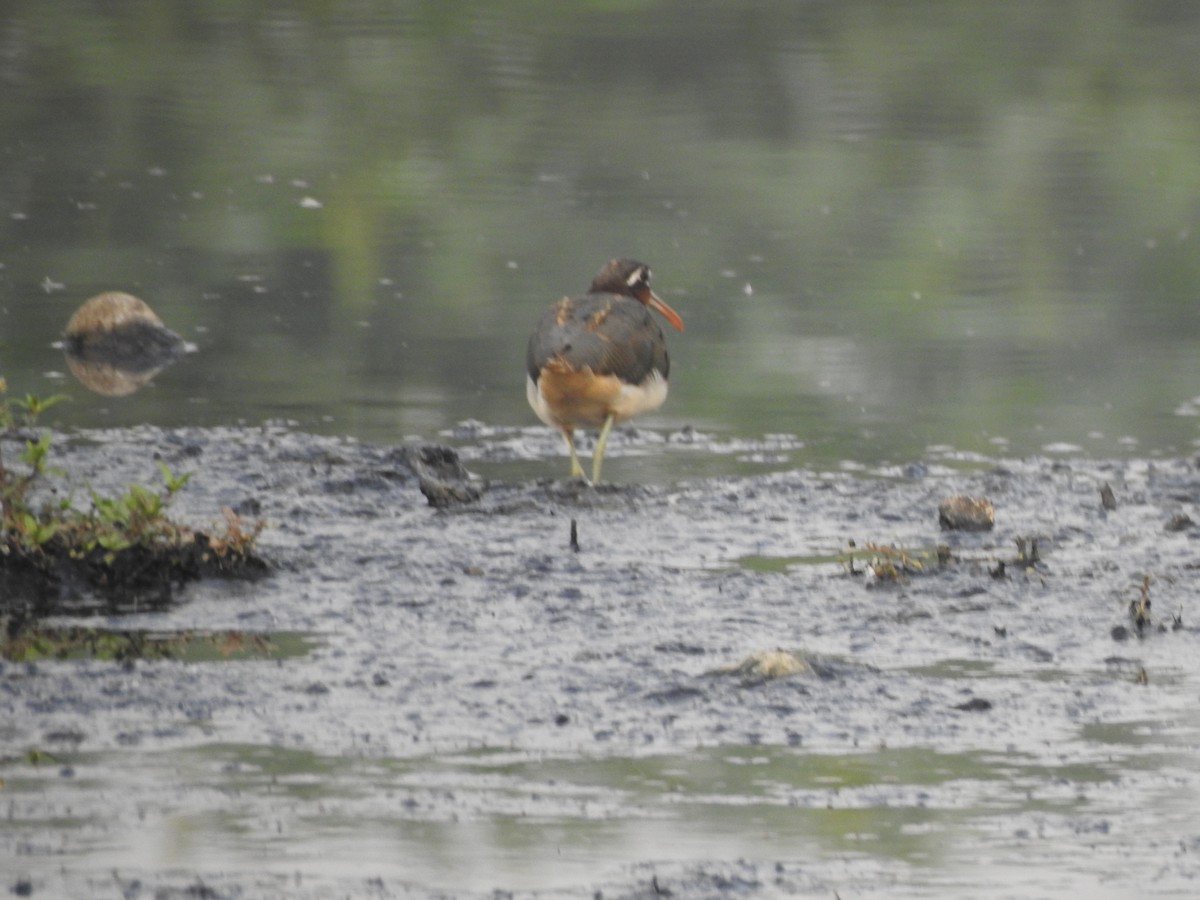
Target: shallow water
x=885, y=229
x=476, y=707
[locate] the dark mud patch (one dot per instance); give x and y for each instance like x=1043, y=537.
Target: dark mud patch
x=61, y=576
x=491, y=710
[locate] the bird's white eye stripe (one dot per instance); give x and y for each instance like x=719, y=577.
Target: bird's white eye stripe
x=640, y=275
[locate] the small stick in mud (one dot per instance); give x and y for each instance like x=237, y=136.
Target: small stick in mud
x=574, y=536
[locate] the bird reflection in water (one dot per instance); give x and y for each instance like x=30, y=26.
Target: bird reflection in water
x=115, y=344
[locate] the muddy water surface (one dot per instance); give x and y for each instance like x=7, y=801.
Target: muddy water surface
x=461, y=704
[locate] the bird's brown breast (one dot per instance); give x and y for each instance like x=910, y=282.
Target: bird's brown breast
x=578, y=396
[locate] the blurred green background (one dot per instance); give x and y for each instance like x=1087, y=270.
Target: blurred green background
x=887, y=226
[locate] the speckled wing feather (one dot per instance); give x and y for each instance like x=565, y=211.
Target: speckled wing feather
x=608, y=333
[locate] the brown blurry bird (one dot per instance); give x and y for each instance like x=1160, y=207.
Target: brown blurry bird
x=600, y=358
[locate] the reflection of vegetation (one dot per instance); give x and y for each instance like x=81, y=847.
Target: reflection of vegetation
x=792, y=793
x=33, y=642
x=33, y=757
x=124, y=544
x=759, y=563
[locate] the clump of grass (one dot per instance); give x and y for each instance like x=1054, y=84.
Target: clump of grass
x=124, y=542
x=883, y=562
x=1139, y=606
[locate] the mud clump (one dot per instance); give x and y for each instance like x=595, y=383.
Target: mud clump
x=766, y=665
x=1179, y=522
x=1108, y=500
x=963, y=513
x=60, y=569
x=443, y=479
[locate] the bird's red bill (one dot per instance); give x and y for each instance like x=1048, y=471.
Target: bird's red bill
x=655, y=302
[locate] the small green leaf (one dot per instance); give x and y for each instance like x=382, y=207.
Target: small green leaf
x=34, y=453
x=173, y=483
x=112, y=541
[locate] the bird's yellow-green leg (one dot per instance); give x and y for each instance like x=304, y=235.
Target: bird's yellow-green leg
x=598, y=453
x=576, y=468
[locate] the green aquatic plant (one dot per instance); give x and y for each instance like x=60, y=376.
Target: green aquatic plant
x=24, y=411
x=122, y=542
x=137, y=516
x=885, y=562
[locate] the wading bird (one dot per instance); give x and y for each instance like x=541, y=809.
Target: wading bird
x=600, y=358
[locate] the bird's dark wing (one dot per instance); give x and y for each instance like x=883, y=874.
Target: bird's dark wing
x=607, y=333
